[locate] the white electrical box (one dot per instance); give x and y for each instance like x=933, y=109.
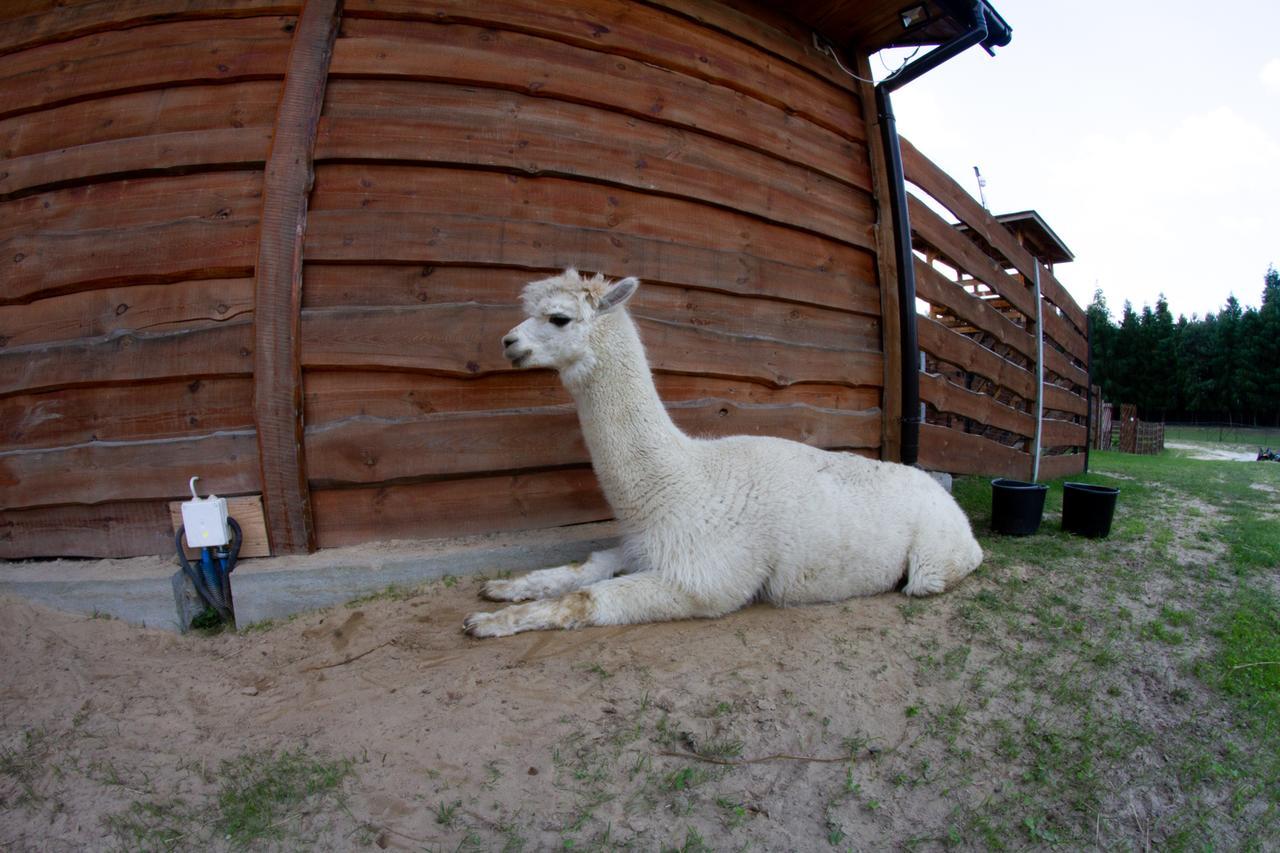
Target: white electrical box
x=205, y=520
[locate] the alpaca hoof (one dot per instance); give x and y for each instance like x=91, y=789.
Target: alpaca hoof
x=498, y=590
x=484, y=625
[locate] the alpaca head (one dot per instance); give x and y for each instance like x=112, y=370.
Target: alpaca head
x=563, y=312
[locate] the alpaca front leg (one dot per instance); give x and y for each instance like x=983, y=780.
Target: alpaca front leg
x=626, y=600
x=549, y=583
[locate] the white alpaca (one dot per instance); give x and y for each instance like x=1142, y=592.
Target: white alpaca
x=710, y=525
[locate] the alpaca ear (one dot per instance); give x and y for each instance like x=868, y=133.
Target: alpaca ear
x=618, y=293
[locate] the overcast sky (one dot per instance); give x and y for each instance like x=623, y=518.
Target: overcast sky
x=1146, y=134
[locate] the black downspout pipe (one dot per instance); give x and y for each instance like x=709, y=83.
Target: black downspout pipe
x=977, y=33
x=1088, y=391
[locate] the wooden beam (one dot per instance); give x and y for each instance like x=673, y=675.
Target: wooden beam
x=278, y=293
x=887, y=267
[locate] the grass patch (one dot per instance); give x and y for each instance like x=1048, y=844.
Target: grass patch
x=261, y=800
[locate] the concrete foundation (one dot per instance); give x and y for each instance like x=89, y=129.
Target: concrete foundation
x=140, y=591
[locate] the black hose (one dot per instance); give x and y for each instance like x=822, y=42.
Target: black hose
x=218, y=598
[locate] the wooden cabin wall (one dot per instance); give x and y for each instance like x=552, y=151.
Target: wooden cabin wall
x=463, y=149
x=468, y=149
x=131, y=150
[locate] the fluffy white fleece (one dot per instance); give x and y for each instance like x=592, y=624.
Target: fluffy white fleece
x=710, y=525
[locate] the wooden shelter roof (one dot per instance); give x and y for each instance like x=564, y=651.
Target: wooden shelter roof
x=1033, y=233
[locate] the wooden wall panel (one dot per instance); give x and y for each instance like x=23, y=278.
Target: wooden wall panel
x=936, y=289
x=98, y=472
x=459, y=340
x=396, y=50
x=117, y=529
x=367, y=450
x=1064, y=465
x=131, y=357
x=338, y=395
x=131, y=412
x=458, y=507
x=952, y=399
x=66, y=19
x=111, y=310
x=145, y=57
x=949, y=346
x=485, y=128
x=157, y=111
x=643, y=33
x=165, y=229
x=943, y=449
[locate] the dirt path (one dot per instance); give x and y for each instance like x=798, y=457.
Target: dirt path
x=536, y=738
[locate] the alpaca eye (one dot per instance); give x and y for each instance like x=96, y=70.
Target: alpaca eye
x=560, y=320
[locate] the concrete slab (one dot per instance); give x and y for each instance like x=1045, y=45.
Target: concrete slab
x=139, y=591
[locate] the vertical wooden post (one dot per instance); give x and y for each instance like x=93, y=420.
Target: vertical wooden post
x=277, y=370
x=887, y=268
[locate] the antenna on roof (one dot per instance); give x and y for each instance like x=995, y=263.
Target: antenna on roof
x=982, y=187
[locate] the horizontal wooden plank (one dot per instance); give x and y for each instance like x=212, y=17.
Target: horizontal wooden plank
x=463, y=340
x=963, y=254
x=1060, y=330
x=952, y=399
x=239, y=148
x=157, y=111
x=768, y=28
x=1060, y=433
x=954, y=348
x=342, y=286
x=646, y=34
x=376, y=187
x=63, y=20
x=151, y=307
x=374, y=450
x=471, y=127
x=1058, y=363
x=337, y=395
x=446, y=239
x=1063, y=465
x=922, y=172
x=1062, y=400
x=943, y=449
x=457, y=507
x=97, y=472
x=222, y=350
x=117, y=529
x=933, y=287
x=218, y=196
x=147, y=230
x=144, y=57
x=401, y=51
x=126, y=412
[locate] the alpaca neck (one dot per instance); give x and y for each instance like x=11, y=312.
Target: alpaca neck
x=635, y=447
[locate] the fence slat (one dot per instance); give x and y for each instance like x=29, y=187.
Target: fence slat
x=933, y=287
x=954, y=348
x=951, y=398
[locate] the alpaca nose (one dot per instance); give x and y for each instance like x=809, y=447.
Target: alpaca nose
x=509, y=340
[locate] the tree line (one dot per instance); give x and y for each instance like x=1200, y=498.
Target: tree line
x=1221, y=367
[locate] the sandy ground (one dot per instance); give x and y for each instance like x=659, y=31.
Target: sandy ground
x=537, y=738
x=1211, y=453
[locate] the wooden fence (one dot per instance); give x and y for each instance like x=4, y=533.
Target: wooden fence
x=1002, y=341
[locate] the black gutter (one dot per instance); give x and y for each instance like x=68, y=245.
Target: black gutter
x=988, y=29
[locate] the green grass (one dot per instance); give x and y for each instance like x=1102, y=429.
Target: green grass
x=260, y=801
x=1246, y=438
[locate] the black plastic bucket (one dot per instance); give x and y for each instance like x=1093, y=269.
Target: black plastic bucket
x=1016, y=507
x=1087, y=510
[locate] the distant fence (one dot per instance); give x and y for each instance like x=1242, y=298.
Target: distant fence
x=986, y=340
x=1129, y=434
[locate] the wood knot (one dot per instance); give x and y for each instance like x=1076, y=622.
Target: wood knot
x=245, y=352
x=121, y=308
x=18, y=258
x=473, y=367
x=223, y=67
